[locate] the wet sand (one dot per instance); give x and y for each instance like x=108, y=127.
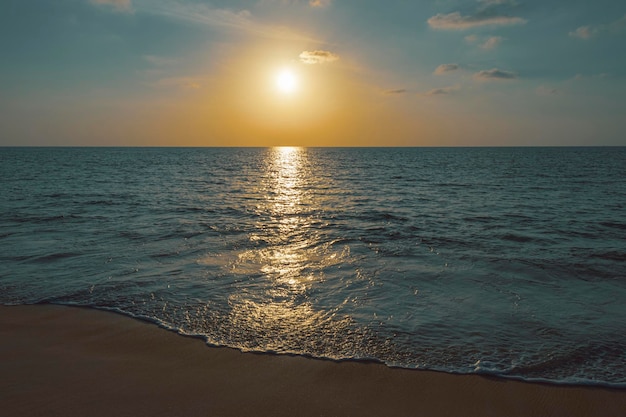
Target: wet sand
x=64, y=361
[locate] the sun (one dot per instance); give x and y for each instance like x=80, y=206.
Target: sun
x=286, y=81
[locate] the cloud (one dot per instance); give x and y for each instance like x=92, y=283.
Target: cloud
x=495, y=74
x=119, y=5
x=442, y=91
x=444, y=68
x=618, y=25
x=488, y=3
x=488, y=13
x=319, y=3
x=456, y=21
x=485, y=43
x=491, y=42
x=396, y=91
x=223, y=19
x=587, y=32
x=581, y=77
x=547, y=91
x=317, y=57
x=583, y=32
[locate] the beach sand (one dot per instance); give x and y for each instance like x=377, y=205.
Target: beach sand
x=64, y=361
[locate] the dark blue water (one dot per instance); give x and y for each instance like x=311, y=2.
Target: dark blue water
x=509, y=261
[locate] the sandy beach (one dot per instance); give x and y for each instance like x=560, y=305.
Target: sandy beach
x=63, y=361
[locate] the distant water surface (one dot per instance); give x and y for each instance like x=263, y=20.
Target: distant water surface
x=508, y=261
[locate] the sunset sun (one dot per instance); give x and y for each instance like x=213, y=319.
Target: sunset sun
x=286, y=81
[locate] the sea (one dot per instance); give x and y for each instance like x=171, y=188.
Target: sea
x=502, y=261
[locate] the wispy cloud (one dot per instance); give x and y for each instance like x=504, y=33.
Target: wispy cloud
x=581, y=77
x=317, y=57
x=442, y=91
x=488, y=13
x=583, y=32
x=319, y=3
x=397, y=91
x=587, y=32
x=492, y=42
x=495, y=74
x=543, y=90
x=226, y=19
x=488, y=43
x=456, y=21
x=445, y=68
x=119, y=5
x=488, y=3
x=618, y=25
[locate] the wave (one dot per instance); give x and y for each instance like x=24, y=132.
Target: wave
x=53, y=257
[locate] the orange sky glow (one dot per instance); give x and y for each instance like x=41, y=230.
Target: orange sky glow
x=200, y=73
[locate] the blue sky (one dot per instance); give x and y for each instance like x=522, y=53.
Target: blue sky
x=406, y=73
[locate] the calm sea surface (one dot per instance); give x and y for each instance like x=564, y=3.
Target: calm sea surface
x=508, y=261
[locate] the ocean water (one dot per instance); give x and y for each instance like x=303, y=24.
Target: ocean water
x=506, y=261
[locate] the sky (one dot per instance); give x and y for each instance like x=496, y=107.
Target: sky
x=312, y=73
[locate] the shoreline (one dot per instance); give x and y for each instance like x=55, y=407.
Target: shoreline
x=71, y=361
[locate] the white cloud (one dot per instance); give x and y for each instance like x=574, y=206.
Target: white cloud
x=456, y=21
x=495, y=74
x=119, y=5
x=317, y=57
x=444, y=68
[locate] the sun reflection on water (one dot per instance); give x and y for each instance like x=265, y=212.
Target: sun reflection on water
x=285, y=235
x=288, y=257
x=286, y=178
